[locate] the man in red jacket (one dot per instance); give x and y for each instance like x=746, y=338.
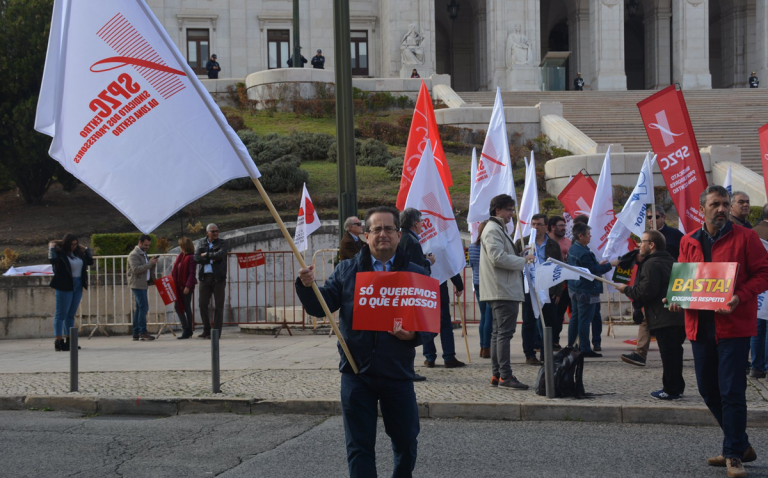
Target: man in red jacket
x=720, y=339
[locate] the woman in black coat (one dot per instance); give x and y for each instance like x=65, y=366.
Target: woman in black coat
x=70, y=276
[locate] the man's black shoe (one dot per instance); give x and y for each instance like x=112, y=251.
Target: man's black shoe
x=591, y=354
x=429, y=364
x=454, y=364
x=419, y=378
x=135, y=338
x=634, y=359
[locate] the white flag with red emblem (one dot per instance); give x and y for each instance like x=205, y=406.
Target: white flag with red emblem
x=603, y=217
x=494, y=172
x=440, y=233
x=473, y=226
x=307, y=222
x=529, y=204
x=127, y=114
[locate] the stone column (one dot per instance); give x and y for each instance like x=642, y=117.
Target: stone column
x=481, y=49
x=690, y=36
x=578, y=36
x=606, y=24
x=657, y=48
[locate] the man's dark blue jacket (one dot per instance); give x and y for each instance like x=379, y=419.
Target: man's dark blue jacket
x=378, y=354
x=580, y=256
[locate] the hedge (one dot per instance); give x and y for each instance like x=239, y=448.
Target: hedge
x=119, y=244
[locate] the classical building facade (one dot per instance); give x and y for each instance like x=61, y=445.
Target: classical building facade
x=615, y=44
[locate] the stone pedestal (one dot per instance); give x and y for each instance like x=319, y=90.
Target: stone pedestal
x=524, y=78
x=690, y=36
x=606, y=22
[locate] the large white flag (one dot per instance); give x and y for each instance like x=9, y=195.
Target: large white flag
x=128, y=116
x=473, y=226
x=728, y=183
x=307, y=222
x=631, y=219
x=440, y=234
x=494, y=169
x=549, y=274
x=529, y=204
x=602, y=218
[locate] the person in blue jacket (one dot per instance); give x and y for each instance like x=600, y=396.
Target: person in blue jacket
x=585, y=294
x=384, y=359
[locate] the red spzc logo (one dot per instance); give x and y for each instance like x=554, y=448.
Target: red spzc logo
x=134, y=50
x=488, y=165
x=309, y=217
x=434, y=211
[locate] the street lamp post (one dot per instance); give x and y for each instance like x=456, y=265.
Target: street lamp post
x=345, y=126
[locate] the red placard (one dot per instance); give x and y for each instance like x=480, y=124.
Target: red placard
x=763, y=132
x=247, y=260
x=671, y=134
x=167, y=289
x=577, y=196
x=383, y=298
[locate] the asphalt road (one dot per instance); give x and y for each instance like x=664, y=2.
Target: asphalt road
x=38, y=444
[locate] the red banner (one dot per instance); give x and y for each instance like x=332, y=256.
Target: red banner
x=577, y=196
x=167, y=289
x=671, y=135
x=423, y=128
x=384, y=298
x=763, y=132
x=248, y=260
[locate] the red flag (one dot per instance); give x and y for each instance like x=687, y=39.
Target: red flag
x=577, y=196
x=763, y=131
x=423, y=128
x=671, y=134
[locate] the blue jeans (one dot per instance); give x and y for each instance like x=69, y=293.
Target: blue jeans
x=530, y=332
x=140, y=311
x=359, y=396
x=723, y=385
x=66, y=307
x=582, y=318
x=758, y=346
x=446, y=340
x=486, y=320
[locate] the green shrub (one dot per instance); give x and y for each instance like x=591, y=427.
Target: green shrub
x=373, y=153
x=395, y=168
x=312, y=146
x=333, y=150
x=236, y=122
x=118, y=244
x=283, y=175
x=248, y=137
x=239, y=184
x=560, y=152
x=272, y=147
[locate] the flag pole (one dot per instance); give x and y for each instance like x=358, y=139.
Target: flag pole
x=548, y=353
x=464, y=326
x=299, y=257
x=574, y=269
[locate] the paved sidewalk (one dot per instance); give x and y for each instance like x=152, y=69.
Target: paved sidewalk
x=300, y=374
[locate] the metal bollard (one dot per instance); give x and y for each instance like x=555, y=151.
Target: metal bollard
x=73, y=359
x=549, y=368
x=215, y=372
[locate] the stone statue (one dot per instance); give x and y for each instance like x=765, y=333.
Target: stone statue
x=519, y=49
x=411, y=51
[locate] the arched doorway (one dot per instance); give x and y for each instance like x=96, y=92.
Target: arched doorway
x=555, y=34
x=455, y=44
x=634, y=45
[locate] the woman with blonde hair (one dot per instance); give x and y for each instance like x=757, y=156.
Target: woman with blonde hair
x=184, y=277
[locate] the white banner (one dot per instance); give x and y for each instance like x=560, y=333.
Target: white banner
x=473, y=226
x=728, y=183
x=307, y=222
x=602, y=218
x=440, y=234
x=529, y=204
x=127, y=114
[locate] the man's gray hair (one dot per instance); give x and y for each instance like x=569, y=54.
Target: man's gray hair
x=738, y=193
x=713, y=189
x=660, y=211
x=210, y=226
x=409, y=218
x=349, y=221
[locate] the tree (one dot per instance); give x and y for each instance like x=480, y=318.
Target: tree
x=24, y=26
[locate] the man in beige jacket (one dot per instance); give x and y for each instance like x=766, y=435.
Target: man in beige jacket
x=141, y=274
x=501, y=286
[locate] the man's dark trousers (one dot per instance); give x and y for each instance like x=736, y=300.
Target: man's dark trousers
x=208, y=288
x=562, y=308
x=670, y=341
x=359, y=396
x=446, y=330
x=531, y=337
x=722, y=384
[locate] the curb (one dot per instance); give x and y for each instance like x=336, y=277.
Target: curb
x=557, y=410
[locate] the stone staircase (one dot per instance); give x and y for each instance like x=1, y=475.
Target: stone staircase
x=719, y=117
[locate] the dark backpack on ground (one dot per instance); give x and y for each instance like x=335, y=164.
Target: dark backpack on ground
x=568, y=365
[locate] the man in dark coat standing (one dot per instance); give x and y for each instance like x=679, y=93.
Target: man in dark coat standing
x=753, y=81
x=213, y=68
x=351, y=243
x=668, y=327
x=578, y=82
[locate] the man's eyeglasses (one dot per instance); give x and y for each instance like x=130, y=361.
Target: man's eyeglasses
x=215, y=231
x=658, y=216
x=356, y=224
x=378, y=230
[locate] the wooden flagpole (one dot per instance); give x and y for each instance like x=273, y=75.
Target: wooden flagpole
x=464, y=326
x=303, y=264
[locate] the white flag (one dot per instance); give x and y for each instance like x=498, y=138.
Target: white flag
x=631, y=219
x=127, y=114
x=473, y=226
x=530, y=277
x=568, y=272
x=602, y=218
x=494, y=169
x=529, y=204
x=728, y=183
x=440, y=234
x=307, y=222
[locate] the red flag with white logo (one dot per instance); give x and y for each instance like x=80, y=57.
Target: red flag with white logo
x=671, y=134
x=578, y=194
x=307, y=222
x=763, y=132
x=423, y=129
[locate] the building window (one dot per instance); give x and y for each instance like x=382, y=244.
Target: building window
x=277, y=42
x=198, y=49
x=359, y=49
